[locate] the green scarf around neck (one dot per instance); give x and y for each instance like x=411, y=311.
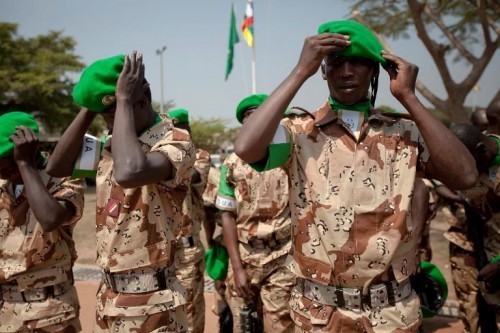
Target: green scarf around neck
x=363, y=106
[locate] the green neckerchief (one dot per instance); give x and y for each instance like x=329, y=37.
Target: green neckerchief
x=496, y=160
x=157, y=120
x=363, y=106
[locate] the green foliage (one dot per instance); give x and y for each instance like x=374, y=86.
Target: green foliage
x=210, y=134
x=33, y=75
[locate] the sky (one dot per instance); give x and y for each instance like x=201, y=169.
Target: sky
x=196, y=35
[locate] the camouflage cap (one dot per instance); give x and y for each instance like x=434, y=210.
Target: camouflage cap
x=249, y=102
x=364, y=43
x=179, y=116
x=97, y=85
x=8, y=123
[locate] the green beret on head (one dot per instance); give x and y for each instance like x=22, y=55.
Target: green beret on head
x=97, y=85
x=249, y=102
x=364, y=43
x=8, y=123
x=179, y=116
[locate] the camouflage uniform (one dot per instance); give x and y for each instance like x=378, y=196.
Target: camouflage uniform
x=351, y=220
x=136, y=230
x=488, y=185
x=424, y=248
x=463, y=264
x=260, y=202
x=189, y=254
x=209, y=197
x=33, y=260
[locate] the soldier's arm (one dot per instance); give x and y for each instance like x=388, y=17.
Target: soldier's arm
x=209, y=223
x=419, y=208
x=62, y=160
x=255, y=136
x=49, y=212
x=450, y=161
x=241, y=281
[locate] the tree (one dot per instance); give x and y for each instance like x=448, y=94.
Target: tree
x=33, y=75
x=451, y=31
x=211, y=134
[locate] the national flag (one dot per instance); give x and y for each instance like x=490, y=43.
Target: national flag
x=247, y=26
x=233, y=39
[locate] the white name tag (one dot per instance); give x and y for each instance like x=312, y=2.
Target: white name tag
x=353, y=120
x=91, y=151
x=225, y=203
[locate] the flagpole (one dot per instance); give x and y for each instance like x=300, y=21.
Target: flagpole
x=254, y=80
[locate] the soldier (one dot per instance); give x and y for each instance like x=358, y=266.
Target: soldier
x=484, y=197
x=189, y=255
x=256, y=227
x=214, y=236
x=352, y=172
x=37, y=216
x=143, y=171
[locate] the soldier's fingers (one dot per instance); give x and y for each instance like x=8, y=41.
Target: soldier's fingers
x=133, y=61
x=15, y=138
x=28, y=134
x=126, y=64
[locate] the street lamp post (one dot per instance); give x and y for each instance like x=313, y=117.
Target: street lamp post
x=160, y=53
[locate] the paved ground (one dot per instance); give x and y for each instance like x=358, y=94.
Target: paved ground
x=87, y=276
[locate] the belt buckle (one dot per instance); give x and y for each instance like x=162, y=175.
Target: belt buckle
x=378, y=295
x=44, y=291
x=352, y=298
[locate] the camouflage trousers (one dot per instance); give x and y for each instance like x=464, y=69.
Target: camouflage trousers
x=310, y=316
x=189, y=269
x=167, y=321
x=464, y=276
x=271, y=284
x=36, y=317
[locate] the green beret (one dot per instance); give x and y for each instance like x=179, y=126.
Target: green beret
x=248, y=102
x=436, y=287
x=364, y=43
x=181, y=116
x=8, y=123
x=97, y=85
x=217, y=262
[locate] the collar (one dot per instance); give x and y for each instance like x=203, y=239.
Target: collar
x=363, y=106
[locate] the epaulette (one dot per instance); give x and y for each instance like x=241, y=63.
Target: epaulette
x=298, y=111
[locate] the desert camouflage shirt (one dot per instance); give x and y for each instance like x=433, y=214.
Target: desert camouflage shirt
x=210, y=193
x=136, y=227
x=480, y=197
x=35, y=258
x=350, y=195
x=192, y=208
x=259, y=199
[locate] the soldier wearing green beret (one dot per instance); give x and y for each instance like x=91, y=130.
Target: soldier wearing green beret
x=189, y=263
x=352, y=173
x=256, y=226
x=142, y=174
x=37, y=216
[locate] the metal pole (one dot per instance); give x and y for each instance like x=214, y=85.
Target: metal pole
x=160, y=53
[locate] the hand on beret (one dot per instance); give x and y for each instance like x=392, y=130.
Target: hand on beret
x=25, y=145
x=131, y=83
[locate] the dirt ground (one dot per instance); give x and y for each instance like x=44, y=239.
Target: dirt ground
x=84, y=235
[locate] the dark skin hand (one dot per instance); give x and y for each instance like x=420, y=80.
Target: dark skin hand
x=62, y=160
x=419, y=205
x=49, y=212
x=132, y=166
x=450, y=161
x=241, y=279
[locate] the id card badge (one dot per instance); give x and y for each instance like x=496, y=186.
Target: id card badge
x=353, y=120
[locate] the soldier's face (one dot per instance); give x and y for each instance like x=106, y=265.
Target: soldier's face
x=348, y=78
x=247, y=115
x=9, y=170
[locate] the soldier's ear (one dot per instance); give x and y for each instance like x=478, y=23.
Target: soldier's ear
x=323, y=71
